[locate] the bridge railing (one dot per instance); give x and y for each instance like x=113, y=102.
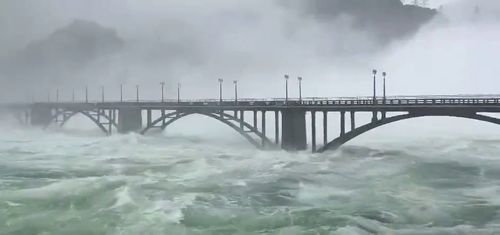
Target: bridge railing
x=311, y=101
x=407, y=101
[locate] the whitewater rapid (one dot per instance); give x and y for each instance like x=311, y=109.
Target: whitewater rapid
x=55, y=182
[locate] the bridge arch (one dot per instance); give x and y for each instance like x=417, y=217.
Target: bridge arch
x=67, y=115
x=235, y=123
x=341, y=140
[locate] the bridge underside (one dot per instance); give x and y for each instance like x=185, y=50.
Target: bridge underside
x=235, y=121
x=290, y=130
x=345, y=137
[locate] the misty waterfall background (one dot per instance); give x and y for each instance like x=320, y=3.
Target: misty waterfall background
x=418, y=177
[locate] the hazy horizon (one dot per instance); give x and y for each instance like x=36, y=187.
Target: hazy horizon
x=67, y=169
x=262, y=42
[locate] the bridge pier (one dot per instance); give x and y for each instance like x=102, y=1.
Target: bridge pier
x=353, y=120
x=293, y=127
x=129, y=120
x=277, y=127
x=255, y=119
x=375, y=116
x=313, y=131
x=163, y=115
x=149, y=117
x=111, y=116
x=342, y=123
x=263, y=123
x=40, y=115
x=325, y=127
x=242, y=118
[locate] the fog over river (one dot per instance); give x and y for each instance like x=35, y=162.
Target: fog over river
x=425, y=176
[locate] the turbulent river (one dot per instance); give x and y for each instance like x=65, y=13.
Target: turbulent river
x=63, y=183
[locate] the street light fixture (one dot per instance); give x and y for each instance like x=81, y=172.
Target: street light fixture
x=235, y=82
x=220, y=90
x=102, y=94
x=300, y=89
x=384, y=74
x=178, y=92
x=374, y=72
x=121, y=92
x=137, y=92
x=162, y=89
x=286, y=88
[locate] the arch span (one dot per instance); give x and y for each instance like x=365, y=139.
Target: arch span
x=341, y=140
x=236, y=124
x=89, y=114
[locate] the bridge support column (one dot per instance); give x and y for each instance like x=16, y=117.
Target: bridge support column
x=41, y=115
x=163, y=117
x=263, y=128
x=353, y=120
x=111, y=115
x=129, y=120
x=293, y=130
x=149, y=117
x=342, y=123
x=325, y=127
x=374, y=117
x=277, y=127
x=255, y=119
x=313, y=131
x=242, y=118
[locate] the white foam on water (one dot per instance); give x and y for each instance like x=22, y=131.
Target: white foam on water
x=13, y=204
x=170, y=210
x=122, y=198
x=147, y=185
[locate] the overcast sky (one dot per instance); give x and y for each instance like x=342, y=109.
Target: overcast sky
x=256, y=43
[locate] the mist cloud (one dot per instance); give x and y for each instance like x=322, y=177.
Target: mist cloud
x=145, y=42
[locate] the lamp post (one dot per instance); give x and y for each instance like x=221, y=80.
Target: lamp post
x=178, y=92
x=220, y=90
x=384, y=74
x=286, y=88
x=73, y=95
x=86, y=94
x=102, y=94
x=374, y=86
x=137, y=93
x=121, y=92
x=235, y=82
x=300, y=89
x=57, y=95
x=162, y=89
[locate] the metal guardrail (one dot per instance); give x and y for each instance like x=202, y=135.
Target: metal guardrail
x=309, y=101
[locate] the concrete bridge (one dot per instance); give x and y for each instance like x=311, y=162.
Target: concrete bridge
x=288, y=116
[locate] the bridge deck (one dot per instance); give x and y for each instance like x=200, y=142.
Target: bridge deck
x=476, y=103
x=290, y=131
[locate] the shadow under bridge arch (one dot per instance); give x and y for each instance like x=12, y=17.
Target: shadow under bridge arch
x=341, y=140
x=100, y=119
x=249, y=132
